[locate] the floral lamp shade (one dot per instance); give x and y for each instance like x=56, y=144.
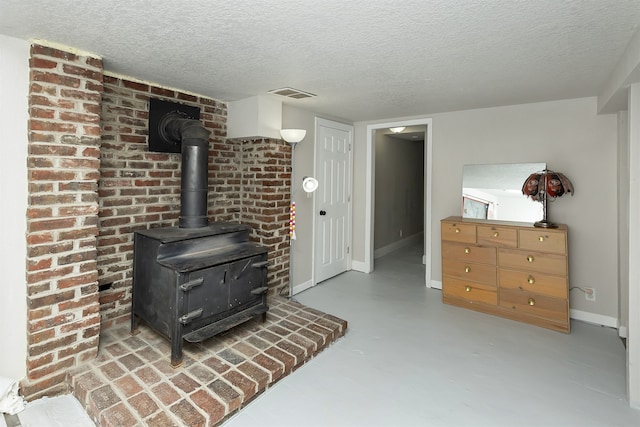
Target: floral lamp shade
x=540, y=186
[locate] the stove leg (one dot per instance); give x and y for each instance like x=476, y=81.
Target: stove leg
x=134, y=325
x=176, y=353
x=176, y=345
x=264, y=317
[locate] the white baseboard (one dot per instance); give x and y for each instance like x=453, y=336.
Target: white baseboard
x=360, y=266
x=584, y=316
x=302, y=287
x=597, y=319
x=622, y=332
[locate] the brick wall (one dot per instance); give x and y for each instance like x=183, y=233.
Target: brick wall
x=93, y=182
x=266, y=176
x=141, y=189
x=62, y=217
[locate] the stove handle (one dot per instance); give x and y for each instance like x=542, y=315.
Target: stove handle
x=188, y=318
x=192, y=284
x=260, y=264
x=259, y=291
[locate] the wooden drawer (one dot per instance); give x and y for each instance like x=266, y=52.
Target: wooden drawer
x=533, y=261
x=553, y=286
x=500, y=236
x=471, y=253
x=543, y=241
x=513, y=270
x=528, y=303
x=458, y=232
x=468, y=291
x=469, y=271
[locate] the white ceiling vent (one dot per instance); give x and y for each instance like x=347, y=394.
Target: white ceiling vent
x=290, y=92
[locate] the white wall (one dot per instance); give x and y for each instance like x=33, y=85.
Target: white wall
x=623, y=220
x=633, y=341
x=571, y=138
x=302, y=248
x=14, y=114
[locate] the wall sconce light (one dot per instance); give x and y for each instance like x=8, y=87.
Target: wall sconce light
x=309, y=184
x=398, y=129
x=540, y=186
x=293, y=136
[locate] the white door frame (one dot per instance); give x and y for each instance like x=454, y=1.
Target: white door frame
x=349, y=128
x=370, y=192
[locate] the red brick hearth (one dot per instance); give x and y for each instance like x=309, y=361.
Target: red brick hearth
x=131, y=382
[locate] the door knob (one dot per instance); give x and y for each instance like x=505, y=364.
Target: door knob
x=323, y=212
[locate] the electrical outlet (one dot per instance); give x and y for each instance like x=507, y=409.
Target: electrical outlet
x=590, y=294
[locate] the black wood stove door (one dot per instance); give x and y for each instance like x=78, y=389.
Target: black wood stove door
x=247, y=280
x=219, y=291
x=211, y=295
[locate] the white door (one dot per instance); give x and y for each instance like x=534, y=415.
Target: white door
x=333, y=199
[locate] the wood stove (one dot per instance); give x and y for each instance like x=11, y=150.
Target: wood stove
x=192, y=284
x=196, y=280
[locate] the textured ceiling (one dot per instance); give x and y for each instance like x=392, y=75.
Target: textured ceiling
x=365, y=59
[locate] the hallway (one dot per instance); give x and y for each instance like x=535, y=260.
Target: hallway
x=409, y=360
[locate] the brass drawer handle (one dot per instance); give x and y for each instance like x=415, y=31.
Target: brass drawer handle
x=531, y=280
x=457, y=230
x=467, y=288
x=530, y=258
x=541, y=239
x=496, y=234
x=467, y=250
x=467, y=269
x=532, y=302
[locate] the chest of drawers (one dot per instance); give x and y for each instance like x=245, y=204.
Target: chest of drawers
x=512, y=270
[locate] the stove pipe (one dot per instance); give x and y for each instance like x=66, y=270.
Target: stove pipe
x=194, y=137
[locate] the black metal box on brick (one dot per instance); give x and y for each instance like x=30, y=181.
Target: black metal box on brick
x=193, y=283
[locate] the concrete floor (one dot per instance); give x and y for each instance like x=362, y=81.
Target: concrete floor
x=409, y=360
x=61, y=411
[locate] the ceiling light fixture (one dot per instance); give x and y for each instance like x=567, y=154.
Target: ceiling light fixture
x=398, y=129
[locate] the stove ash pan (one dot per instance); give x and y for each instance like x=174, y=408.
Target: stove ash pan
x=193, y=283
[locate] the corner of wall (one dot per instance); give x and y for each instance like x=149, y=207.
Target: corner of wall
x=14, y=90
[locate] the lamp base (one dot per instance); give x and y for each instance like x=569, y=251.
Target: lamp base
x=545, y=224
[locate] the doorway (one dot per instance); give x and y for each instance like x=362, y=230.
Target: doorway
x=370, y=219
x=399, y=190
